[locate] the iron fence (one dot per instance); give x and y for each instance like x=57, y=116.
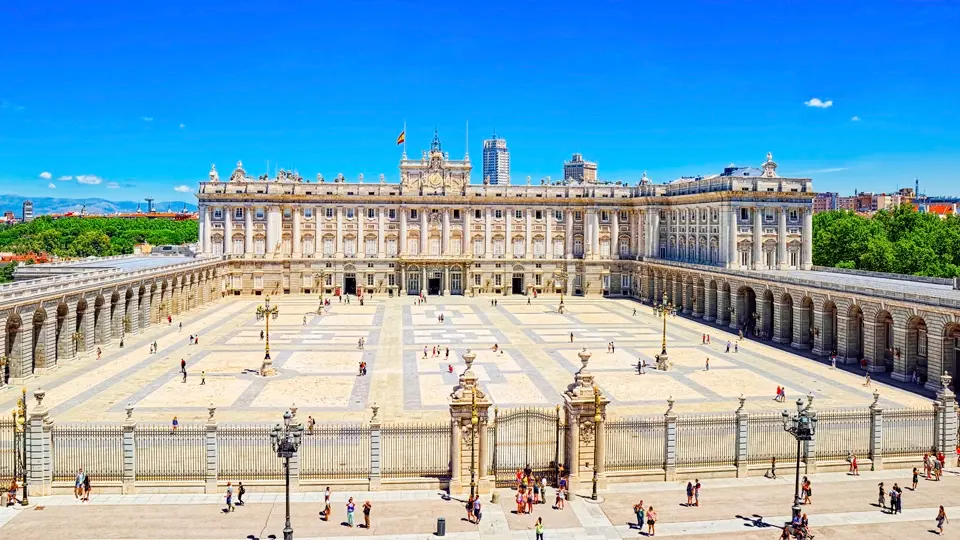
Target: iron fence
x=908, y=432
x=335, y=451
x=415, y=450
x=706, y=440
x=841, y=433
x=245, y=453
x=163, y=454
x=766, y=439
x=634, y=444
x=98, y=449
x=8, y=453
x=528, y=437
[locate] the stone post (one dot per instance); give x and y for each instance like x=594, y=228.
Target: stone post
x=670, y=442
x=129, y=429
x=469, y=414
x=295, y=460
x=210, y=485
x=947, y=423
x=375, y=448
x=585, y=444
x=876, y=433
x=39, y=458
x=742, y=418
x=810, y=447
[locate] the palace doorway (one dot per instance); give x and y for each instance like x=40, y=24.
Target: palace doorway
x=517, y=283
x=350, y=283
x=434, y=283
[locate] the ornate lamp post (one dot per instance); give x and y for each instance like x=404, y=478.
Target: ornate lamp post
x=4, y=361
x=285, y=441
x=265, y=312
x=474, y=422
x=802, y=425
x=322, y=280
x=665, y=310
x=596, y=423
x=20, y=442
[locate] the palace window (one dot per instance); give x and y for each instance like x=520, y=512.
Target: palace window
x=308, y=245
x=498, y=214
x=604, y=216
x=413, y=246
x=794, y=215
x=578, y=216
x=238, y=244
x=605, y=249
x=456, y=213
x=371, y=213
x=391, y=279
x=623, y=217
x=795, y=258
x=498, y=280
x=328, y=248
x=286, y=213
x=218, y=213
x=478, y=246
x=768, y=215
x=370, y=246
x=578, y=247
x=351, y=213
x=498, y=247
x=258, y=213
x=370, y=278
x=744, y=214
x=538, y=247
x=238, y=213
x=391, y=247
x=413, y=213
x=557, y=248
x=477, y=214
x=538, y=280
x=558, y=215
x=538, y=215
x=392, y=213
x=329, y=278
x=518, y=214
x=349, y=247
x=287, y=245
x=476, y=279
x=308, y=212
x=258, y=282
x=329, y=213
x=625, y=281
x=259, y=245
x=624, y=247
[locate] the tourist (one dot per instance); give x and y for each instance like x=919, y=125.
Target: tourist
x=558, y=504
x=190, y=340
x=777, y=398
x=183, y=366
x=942, y=459
x=773, y=467
x=613, y=347
x=86, y=488
x=651, y=522
x=736, y=347
x=184, y=381
x=469, y=507
x=229, y=497
x=520, y=501
x=937, y=470
x=543, y=489
x=326, y=504
x=424, y=351
x=78, y=483
x=203, y=377
x=11, y=495
x=941, y=517
x=180, y=329
x=927, y=466
x=99, y=352
x=958, y=455
x=806, y=490
x=867, y=380
x=261, y=334
x=176, y=423
x=785, y=533
x=350, y=508
x=640, y=512
x=571, y=337
x=854, y=466
x=476, y=509
x=708, y=363
x=708, y=339
x=366, y=507
x=528, y=300
x=634, y=312
x=240, y=491
x=689, y=493
x=696, y=492
x=538, y=528
x=703, y=339
x=310, y=424
x=529, y=500
x=882, y=497
x=304, y=320
x=728, y=346
x=536, y=491
x=916, y=475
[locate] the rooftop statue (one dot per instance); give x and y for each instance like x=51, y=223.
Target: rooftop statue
x=383, y=179
x=320, y=179
x=214, y=175
x=238, y=175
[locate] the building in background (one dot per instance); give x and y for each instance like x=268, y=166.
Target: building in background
x=579, y=170
x=496, y=161
x=825, y=201
x=27, y=215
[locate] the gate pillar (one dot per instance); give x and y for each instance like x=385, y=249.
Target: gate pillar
x=585, y=409
x=469, y=415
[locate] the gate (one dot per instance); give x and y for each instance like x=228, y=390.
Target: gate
x=526, y=437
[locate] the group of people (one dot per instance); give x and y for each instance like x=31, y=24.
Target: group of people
x=781, y=394
x=933, y=465
x=81, y=486
x=362, y=368
x=351, y=508
x=231, y=505
x=646, y=516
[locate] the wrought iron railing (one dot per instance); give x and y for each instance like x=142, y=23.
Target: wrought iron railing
x=335, y=451
x=98, y=449
x=842, y=433
x=706, y=440
x=908, y=432
x=634, y=444
x=766, y=439
x=415, y=450
x=163, y=454
x=245, y=453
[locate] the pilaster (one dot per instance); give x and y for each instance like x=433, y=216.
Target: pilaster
x=585, y=408
x=129, y=429
x=876, y=432
x=947, y=423
x=39, y=452
x=469, y=416
x=742, y=417
x=670, y=442
x=375, y=448
x=210, y=429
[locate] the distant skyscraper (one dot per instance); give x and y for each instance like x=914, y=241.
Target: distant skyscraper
x=27, y=215
x=579, y=170
x=496, y=161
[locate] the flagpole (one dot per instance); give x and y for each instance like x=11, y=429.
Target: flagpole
x=404, y=138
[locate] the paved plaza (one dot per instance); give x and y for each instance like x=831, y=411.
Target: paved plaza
x=844, y=507
x=535, y=362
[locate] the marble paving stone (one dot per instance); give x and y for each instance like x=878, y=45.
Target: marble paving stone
x=219, y=391
x=307, y=391
x=324, y=361
x=731, y=383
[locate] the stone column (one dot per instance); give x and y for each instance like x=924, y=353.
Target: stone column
x=271, y=242
x=487, y=236
x=742, y=441
x=297, y=247
x=568, y=233
x=947, y=421
x=548, y=236
x=39, y=448
x=424, y=236
x=466, y=237
x=528, y=234
x=381, y=229
x=402, y=247
x=403, y=279
x=876, y=433
x=758, y=262
x=210, y=429
x=615, y=234
x=375, y=449
x=807, y=239
x=248, y=230
x=782, y=262
x=86, y=326
x=423, y=280
x=670, y=442
x=508, y=247
x=361, y=241
x=733, y=257
x=446, y=281
x=129, y=429
x=205, y=230
x=133, y=314
x=469, y=415
x=227, y=230
x=595, y=234
x=339, y=239
x=445, y=235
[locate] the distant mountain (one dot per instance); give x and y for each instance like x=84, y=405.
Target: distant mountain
x=56, y=205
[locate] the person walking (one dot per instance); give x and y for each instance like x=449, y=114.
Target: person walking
x=641, y=513
x=807, y=490
x=538, y=528
x=184, y=381
x=176, y=424
x=310, y=425
x=240, y=491
x=651, y=522
x=941, y=517
x=350, y=509
x=689, y=494
x=773, y=467
x=181, y=327
x=696, y=492
x=99, y=352
x=469, y=506
x=854, y=466
x=203, y=377
x=86, y=488
x=229, y=497
x=476, y=509
x=366, y=514
x=78, y=483
x=708, y=363
x=916, y=476
x=183, y=365
x=882, y=497
x=326, y=504
x=728, y=347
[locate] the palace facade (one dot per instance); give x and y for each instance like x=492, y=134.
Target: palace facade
x=436, y=233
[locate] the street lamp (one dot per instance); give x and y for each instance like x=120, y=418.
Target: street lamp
x=321, y=279
x=596, y=428
x=265, y=312
x=474, y=422
x=802, y=426
x=285, y=441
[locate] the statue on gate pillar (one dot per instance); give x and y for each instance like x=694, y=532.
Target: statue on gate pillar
x=585, y=408
x=469, y=415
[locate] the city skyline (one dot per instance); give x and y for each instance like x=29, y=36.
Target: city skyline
x=127, y=116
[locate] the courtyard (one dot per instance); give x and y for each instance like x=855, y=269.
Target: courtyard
x=317, y=359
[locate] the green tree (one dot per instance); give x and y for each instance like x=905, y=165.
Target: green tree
x=91, y=243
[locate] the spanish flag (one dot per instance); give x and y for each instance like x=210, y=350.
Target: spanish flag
x=401, y=138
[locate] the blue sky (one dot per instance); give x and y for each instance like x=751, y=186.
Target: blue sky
x=135, y=99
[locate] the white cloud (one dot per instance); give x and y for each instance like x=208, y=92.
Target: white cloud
x=45, y=175
x=855, y=119
x=147, y=118
x=182, y=126
x=64, y=178
x=112, y=185
x=89, y=179
x=815, y=102
x=51, y=185
x=183, y=189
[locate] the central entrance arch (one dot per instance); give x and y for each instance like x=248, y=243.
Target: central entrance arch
x=349, y=279
x=517, y=282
